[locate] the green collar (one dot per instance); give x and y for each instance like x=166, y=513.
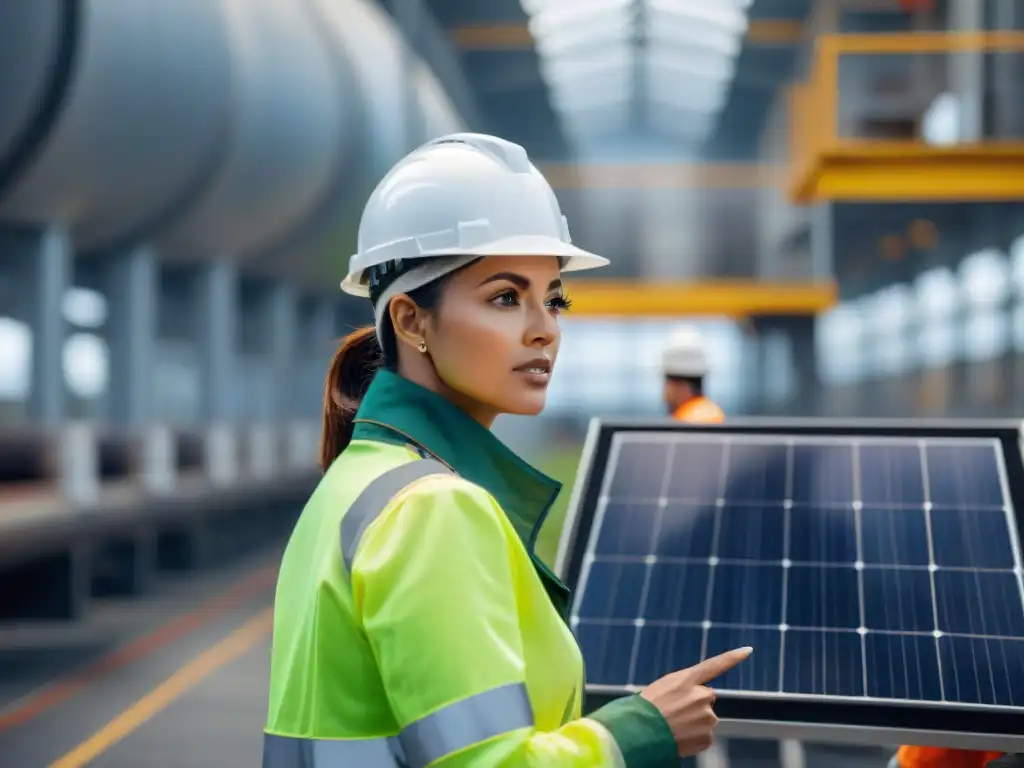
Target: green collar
x=445, y=430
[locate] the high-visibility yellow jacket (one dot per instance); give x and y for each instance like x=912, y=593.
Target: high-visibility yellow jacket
x=699, y=410
x=420, y=628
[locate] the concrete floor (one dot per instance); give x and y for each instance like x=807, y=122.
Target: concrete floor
x=154, y=682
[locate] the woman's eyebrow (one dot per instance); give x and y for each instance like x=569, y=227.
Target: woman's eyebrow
x=519, y=281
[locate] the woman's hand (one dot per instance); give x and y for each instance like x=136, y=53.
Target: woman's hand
x=688, y=705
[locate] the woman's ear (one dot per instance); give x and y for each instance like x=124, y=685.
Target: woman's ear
x=408, y=320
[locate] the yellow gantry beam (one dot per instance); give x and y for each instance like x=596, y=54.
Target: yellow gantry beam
x=728, y=298
x=512, y=36
x=828, y=165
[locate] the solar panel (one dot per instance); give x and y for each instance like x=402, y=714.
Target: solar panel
x=875, y=569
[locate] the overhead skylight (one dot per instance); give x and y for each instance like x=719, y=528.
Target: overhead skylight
x=673, y=58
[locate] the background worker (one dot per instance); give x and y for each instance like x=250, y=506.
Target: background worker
x=685, y=364
x=938, y=757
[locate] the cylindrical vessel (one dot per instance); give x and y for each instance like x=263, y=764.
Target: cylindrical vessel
x=137, y=118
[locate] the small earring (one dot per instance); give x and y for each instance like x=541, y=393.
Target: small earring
x=422, y=347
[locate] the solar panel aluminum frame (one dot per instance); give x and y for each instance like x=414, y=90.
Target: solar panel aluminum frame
x=808, y=717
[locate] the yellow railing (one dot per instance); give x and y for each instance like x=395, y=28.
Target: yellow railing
x=815, y=105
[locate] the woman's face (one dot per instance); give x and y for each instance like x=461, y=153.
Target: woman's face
x=494, y=337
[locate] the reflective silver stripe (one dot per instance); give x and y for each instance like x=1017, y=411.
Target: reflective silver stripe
x=288, y=752
x=375, y=497
x=466, y=722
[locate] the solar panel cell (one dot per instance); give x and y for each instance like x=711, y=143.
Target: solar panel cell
x=822, y=475
x=607, y=649
x=979, y=603
x=754, y=474
x=614, y=592
x=822, y=535
x=688, y=531
x=822, y=596
x=963, y=477
x=674, y=646
x=752, y=532
x=902, y=667
x=894, y=536
x=628, y=529
x=749, y=595
x=677, y=594
x=982, y=670
x=696, y=475
x=898, y=600
x=822, y=663
x=889, y=476
x=970, y=538
x=760, y=674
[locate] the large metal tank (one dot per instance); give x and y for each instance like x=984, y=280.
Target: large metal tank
x=36, y=49
x=439, y=113
x=287, y=137
x=135, y=95
x=375, y=51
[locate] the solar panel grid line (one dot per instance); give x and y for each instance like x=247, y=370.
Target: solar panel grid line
x=931, y=562
x=591, y=554
x=787, y=515
x=774, y=627
x=716, y=533
x=635, y=560
x=649, y=564
x=858, y=524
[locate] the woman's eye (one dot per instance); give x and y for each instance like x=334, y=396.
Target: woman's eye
x=560, y=303
x=506, y=299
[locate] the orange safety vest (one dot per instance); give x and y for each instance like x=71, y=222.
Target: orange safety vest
x=938, y=757
x=699, y=410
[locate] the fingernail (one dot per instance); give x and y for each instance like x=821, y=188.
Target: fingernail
x=747, y=648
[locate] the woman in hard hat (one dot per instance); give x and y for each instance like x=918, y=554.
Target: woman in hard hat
x=685, y=365
x=414, y=624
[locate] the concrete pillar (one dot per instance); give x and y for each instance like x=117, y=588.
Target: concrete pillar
x=967, y=71
x=799, y=332
x=42, y=266
x=323, y=326
x=216, y=333
x=132, y=288
x=282, y=334
x=1007, y=73
x=822, y=216
x=322, y=332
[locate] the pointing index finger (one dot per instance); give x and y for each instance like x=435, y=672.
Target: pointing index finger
x=711, y=668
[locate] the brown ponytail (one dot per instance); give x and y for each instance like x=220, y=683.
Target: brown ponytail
x=352, y=369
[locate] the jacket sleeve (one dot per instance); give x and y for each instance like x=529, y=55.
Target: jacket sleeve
x=434, y=587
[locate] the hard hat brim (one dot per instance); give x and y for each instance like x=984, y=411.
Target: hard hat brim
x=575, y=259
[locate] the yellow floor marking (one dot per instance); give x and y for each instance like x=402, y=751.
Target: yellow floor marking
x=154, y=702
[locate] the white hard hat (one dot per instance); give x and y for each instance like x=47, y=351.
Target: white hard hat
x=465, y=194
x=684, y=354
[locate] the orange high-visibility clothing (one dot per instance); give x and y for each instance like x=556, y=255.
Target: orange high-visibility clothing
x=699, y=410
x=938, y=757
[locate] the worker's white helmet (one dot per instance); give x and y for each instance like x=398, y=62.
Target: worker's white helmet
x=465, y=194
x=684, y=354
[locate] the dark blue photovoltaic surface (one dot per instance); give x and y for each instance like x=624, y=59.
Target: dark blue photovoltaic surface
x=868, y=567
